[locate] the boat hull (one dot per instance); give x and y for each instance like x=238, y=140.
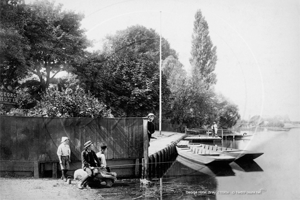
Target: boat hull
x=236, y=153
x=243, y=155
x=204, y=159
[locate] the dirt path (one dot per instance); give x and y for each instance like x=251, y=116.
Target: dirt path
x=31, y=189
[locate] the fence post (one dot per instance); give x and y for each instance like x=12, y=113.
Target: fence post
x=145, y=146
x=137, y=167
x=36, y=169
x=222, y=137
x=54, y=170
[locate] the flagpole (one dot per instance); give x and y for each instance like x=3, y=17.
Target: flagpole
x=160, y=81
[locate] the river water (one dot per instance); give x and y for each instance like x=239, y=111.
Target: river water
x=274, y=175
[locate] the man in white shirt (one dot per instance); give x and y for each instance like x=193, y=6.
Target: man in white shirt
x=64, y=156
x=214, y=128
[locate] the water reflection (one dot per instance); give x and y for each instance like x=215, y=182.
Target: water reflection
x=246, y=166
x=212, y=170
x=189, y=182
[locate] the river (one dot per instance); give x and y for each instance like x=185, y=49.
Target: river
x=274, y=175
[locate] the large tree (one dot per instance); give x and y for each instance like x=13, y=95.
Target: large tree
x=200, y=94
x=55, y=38
x=203, y=55
x=13, y=46
x=129, y=71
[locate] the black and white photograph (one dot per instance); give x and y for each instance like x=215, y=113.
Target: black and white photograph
x=149, y=99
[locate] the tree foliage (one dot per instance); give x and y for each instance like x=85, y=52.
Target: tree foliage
x=228, y=114
x=39, y=39
x=134, y=62
x=194, y=102
x=93, y=74
x=127, y=71
x=178, y=109
x=69, y=103
x=55, y=39
x=13, y=46
x=203, y=55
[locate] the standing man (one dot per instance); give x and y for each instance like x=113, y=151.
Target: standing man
x=64, y=156
x=151, y=126
x=214, y=128
x=89, y=161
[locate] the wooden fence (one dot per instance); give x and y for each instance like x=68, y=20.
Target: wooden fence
x=35, y=140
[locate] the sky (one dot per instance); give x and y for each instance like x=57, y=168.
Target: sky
x=258, y=43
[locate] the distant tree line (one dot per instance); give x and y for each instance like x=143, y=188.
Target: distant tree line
x=41, y=39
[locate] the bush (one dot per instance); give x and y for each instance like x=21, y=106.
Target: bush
x=69, y=103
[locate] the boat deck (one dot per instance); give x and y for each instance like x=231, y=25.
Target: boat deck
x=237, y=153
x=202, y=138
x=205, y=159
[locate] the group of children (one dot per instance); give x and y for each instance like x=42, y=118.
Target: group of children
x=90, y=160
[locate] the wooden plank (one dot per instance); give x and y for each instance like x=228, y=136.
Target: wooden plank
x=137, y=167
x=36, y=173
x=145, y=148
x=54, y=170
x=21, y=166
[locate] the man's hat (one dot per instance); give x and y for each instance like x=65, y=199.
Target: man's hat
x=87, y=144
x=150, y=114
x=64, y=139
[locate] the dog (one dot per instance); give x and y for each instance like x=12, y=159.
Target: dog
x=79, y=174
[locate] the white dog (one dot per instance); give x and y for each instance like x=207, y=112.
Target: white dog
x=79, y=174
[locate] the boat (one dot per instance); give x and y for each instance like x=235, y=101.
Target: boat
x=189, y=152
x=238, y=154
x=237, y=135
x=212, y=170
x=246, y=166
x=202, y=139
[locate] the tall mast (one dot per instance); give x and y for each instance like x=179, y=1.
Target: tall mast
x=160, y=80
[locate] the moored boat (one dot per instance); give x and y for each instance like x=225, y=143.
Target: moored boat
x=190, y=153
x=212, y=170
x=203, y=139
x=236, y=135
x=236, y=153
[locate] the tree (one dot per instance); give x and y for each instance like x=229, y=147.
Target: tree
x=129, y=71
x=93, y=74
x=203, y=55
x=13, y=46
x=55, y=39
x=174, y=72
x=177, y=111
x=200, y=97
x=228, y=116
